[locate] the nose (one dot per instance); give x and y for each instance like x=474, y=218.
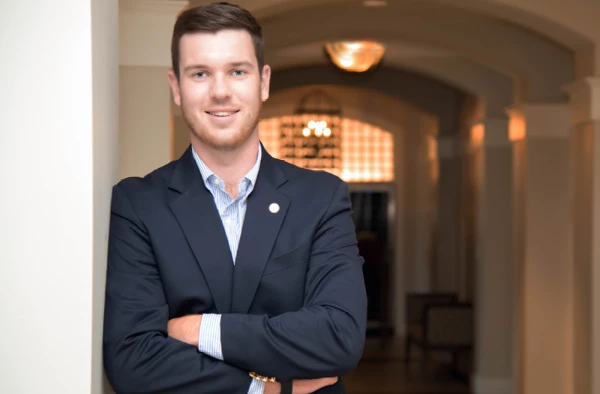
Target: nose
x=220, y=88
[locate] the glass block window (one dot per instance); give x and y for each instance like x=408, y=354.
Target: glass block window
x=268, y=131
x=367, y=152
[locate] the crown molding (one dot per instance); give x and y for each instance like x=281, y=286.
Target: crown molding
x=585, y=100
x=583, y=86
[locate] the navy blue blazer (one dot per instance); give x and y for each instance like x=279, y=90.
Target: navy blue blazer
x=293, y=306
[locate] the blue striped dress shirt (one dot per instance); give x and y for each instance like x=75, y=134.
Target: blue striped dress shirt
x=232, y=212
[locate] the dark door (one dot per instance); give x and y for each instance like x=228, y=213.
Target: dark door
x=370, y=214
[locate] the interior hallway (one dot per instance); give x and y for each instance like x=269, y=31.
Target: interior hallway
x=383, y=370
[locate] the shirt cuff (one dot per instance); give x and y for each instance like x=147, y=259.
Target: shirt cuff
x=257, y=387
x=209, y=340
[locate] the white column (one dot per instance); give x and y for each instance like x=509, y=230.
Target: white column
x=58, y=161
x=425, y=168
x=408, y=156
x=445, y=275
x=542, y=229
x=491, y=155
x=419, y=207
x=584, y=116
x=469, y=245
x=467, y=241
x=146, y=128
x=401, y=219
x=415, y=159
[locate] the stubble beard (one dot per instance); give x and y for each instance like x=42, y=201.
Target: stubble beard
x=211, y=139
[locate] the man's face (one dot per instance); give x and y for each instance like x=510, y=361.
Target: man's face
x=220, y=89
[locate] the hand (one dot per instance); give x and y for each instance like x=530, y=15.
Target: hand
x=301, y=386
x=307, y=386
x=185, y=328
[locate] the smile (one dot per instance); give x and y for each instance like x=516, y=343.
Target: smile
x=222, y=114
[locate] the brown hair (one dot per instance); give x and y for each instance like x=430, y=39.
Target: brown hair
x=212, y=18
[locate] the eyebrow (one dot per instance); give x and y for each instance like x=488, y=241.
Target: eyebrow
x=242, y=64
x=233, y=64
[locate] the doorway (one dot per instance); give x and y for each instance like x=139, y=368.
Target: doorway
x=373, y=216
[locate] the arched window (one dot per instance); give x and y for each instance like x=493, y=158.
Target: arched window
x=362, y=152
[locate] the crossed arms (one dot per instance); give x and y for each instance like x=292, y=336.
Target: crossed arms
x=322, y=339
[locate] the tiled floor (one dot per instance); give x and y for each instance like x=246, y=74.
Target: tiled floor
x=383, y=371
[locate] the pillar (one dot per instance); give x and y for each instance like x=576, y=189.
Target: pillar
x=58, y=162
x=584, y=117
x=539, y=133
x=491, y=158
x=445, y=273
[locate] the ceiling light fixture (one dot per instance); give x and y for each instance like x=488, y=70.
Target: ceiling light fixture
x=355, y=56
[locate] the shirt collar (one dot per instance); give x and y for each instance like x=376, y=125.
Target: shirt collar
x=207, y=172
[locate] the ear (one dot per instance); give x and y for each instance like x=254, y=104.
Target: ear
x=174, y=87
x=265, y=82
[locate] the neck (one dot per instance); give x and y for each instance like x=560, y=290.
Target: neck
x=229, y=165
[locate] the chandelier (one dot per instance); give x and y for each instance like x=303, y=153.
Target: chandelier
x=355, y=56
x=311, y=138
x=318, y=129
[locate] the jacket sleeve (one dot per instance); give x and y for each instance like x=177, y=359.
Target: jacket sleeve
x=139, y=356
x=324, y=338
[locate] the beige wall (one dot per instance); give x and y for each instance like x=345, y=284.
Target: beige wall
x=145, y=29
x=181, y=136
x=144, y=120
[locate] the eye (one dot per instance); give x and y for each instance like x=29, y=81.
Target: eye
x=199, y=74
x=239, y=73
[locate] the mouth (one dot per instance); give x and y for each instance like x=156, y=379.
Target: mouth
x=222, y=114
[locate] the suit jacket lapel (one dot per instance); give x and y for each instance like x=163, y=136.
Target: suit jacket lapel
x=259, y=232
x=194, y=207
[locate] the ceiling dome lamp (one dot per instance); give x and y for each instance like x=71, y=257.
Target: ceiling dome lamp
x=355, y=56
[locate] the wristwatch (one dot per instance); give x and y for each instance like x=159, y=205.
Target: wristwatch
x=286, y=387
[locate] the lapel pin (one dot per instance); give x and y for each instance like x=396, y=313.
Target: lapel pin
x=274, y=208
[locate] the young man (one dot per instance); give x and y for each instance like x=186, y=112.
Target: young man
x=230, y=271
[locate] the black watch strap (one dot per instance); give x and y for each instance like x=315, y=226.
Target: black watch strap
x=286, y=387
